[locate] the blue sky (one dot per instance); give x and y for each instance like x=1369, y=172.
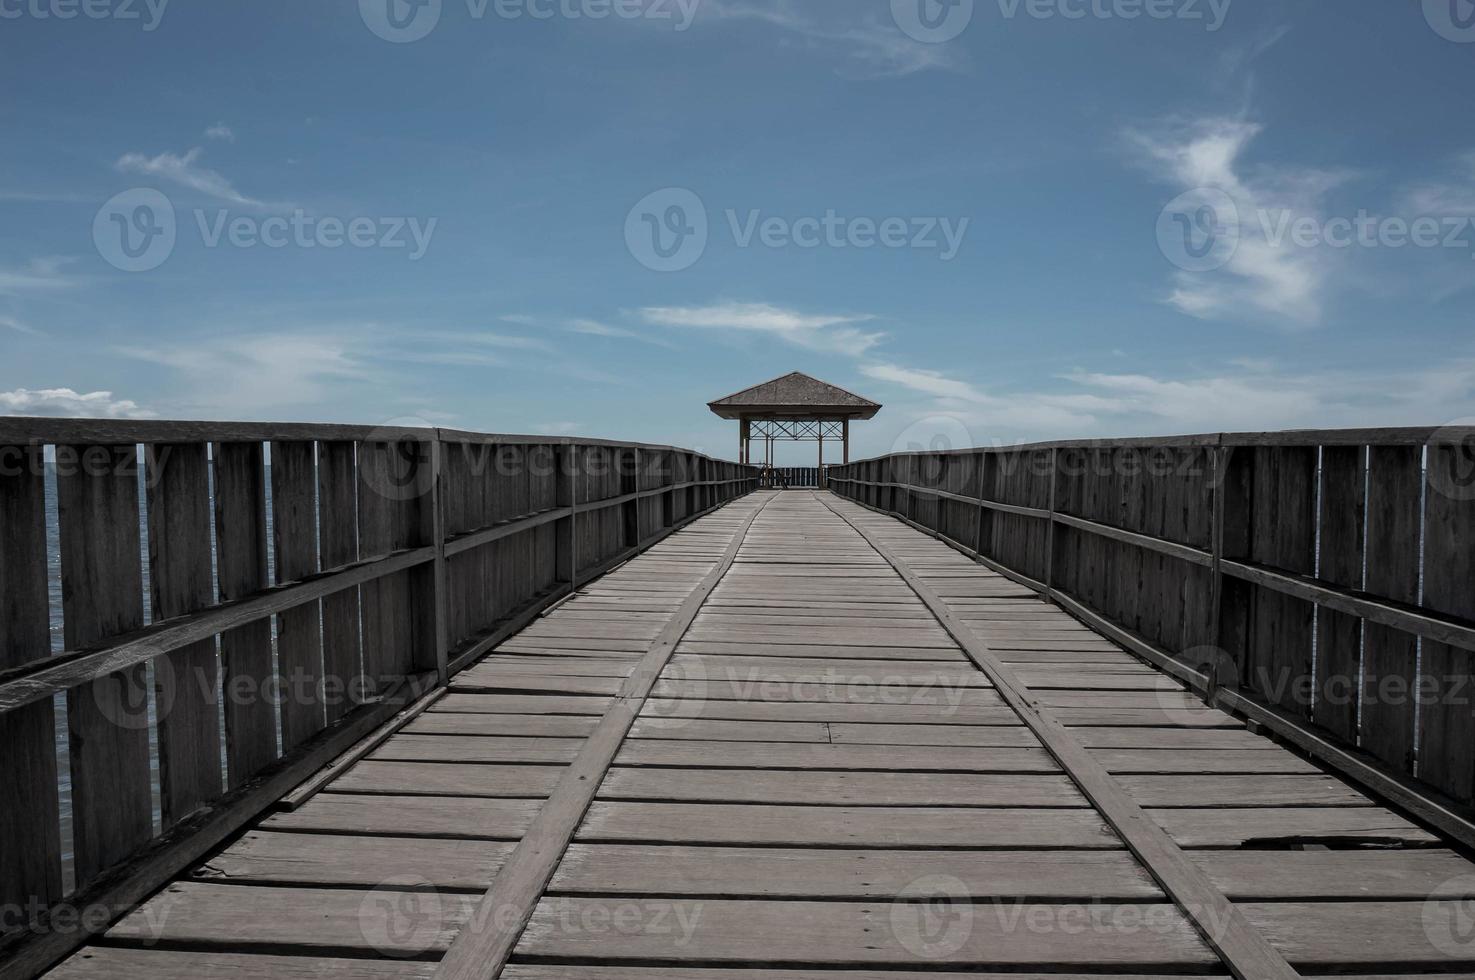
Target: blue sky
x=964, y=222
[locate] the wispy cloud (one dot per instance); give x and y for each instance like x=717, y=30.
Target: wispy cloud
x=1263, y=278
x=871, y=44
x=558, y=428
x=598, y=328
x=220, y=131
x=11, y=323
x=39, y=275
x=829, y=333
x=67, y=403
x=1452, y=197
x=925, y=382
x=187, y=171
x=262, y=372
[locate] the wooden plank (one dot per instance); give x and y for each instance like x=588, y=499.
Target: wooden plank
x=485, y=945
x=243, y=918
x=30, y=845
x=1284, y=827
x=294, y=482
x=343, y=861
x=851, y=933
x=245, y=652
x=1336, y=875
x=787, y=873
x=564, y=972
x=1244, y=950
x=821, y=787
x=449, y=779
x=758, y=756
x=119, y=963
x=102, y=597
x=839, y=826
x=186, y=681
x=410, y=816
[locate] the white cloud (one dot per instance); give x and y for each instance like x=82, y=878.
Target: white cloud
x=1249, y=395
x=872, y=44
x=519, y=319
x=558, y=428
x=187, y=172
x=66, y=403
x=1264, y=277
x=829, y=333
x=220, y=131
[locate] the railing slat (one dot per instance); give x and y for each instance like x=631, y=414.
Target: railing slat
x=186, y=681
x=1447, y=717
x=245, y=652
x=1394, y=515
x=102, y=596
x=338, y=543
x=299, y=637
x=30, y=842
x=1339, y=635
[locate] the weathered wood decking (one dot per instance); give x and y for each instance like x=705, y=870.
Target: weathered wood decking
x=822, y=781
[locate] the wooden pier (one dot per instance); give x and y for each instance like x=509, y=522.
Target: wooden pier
x=773, y=735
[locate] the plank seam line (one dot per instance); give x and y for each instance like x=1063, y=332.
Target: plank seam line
x=1244, y=950
x=485, y=944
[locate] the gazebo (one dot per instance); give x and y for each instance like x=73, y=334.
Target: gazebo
x=793, y=408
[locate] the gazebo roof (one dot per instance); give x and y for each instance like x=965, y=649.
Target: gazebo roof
x=795, y=396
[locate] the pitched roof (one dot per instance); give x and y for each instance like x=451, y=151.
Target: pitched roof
x=798, y=394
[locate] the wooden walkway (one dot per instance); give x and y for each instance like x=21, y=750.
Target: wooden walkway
x=867, y=758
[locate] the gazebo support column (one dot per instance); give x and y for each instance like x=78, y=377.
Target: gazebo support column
x=846, y=458
x=820, y=479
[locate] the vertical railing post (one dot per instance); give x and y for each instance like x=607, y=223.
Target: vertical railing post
x=1050, y=527
x=439, y=584
x=566, y=529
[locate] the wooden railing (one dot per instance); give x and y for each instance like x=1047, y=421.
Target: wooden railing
x=239, y=603
x=792, y=477
x=1319, y=583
